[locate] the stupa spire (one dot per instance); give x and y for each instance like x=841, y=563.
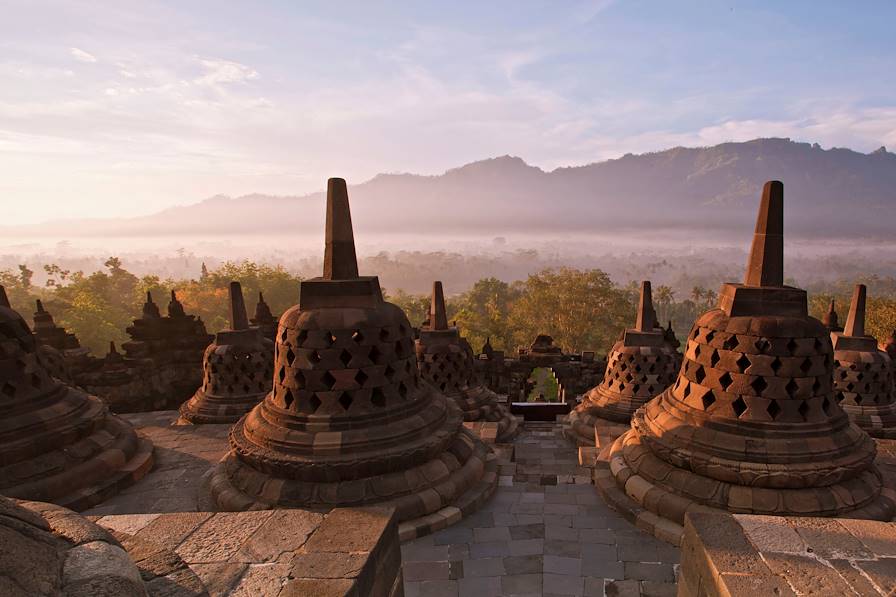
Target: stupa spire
x=765, y=266
x=239, y=320
x=340, y=261
x=40, y=306
x=4, y=300
x=855, y=321
x=438, y=317
x=646, y=315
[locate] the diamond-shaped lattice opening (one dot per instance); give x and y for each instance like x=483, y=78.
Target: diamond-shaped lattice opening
x=9, y=389
x=282, y=374
x=650, y=390
x=725, y=380
x=331, y=338
x=374, y=354
x=816, y=387
x=687, y=390
x=314, y=402
x=389, y=372
x=695, y=333
x=715, y=358
x=730, y=343
x=399, y=348
x=652, y=368
x=792, y=387
x=301, y=337
x=806, y=365
x=826, y=406
x=743, y=363
x=792, y=346
x=283, y=335
x=759, y=385
x=843, y=374
x=361, y=377
x=700, y=374
x=839, y=397
x=762, y=344
x=36, y=380
x=710, y=335
x=384, y=335
x=402, y=390
x=345, y=400
x=697, y=351
x=328, y=380
x=739, y=407
x=621, y=386
x=850, y=387
x=357, y=336
x=818, y=345
x=708, y=400
x=635, y=388
x=346, y=357
x=773, y=409
x=377, y=398
x=776, y=365
x=804, y=410
x=859, y=399
x=287, y=399
x=860, y=376
x=314, y=357
x=290, y=356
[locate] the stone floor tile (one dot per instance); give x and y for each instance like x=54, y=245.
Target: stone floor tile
x=524, y=564
x=484, y=586
x=527, y=531
x=484, y=567
x=569, y=549
x=490, y=549
x=622, y=588
x=514, y=584
x=483, y=535
x=526, y=547
x=424, y=553
x=425, y=571
x=562, y=584
x=439, y=588
x=645, y=571
x=453, y=534
x=562, y=565
x=660, y=589
x=594, y=587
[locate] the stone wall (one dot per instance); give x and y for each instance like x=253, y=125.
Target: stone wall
x=724, y=554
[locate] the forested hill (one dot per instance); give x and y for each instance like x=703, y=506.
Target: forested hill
x=834, y=192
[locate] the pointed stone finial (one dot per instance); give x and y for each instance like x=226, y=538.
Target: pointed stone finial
x=175, y=308
x=112, y=349
x=766, y=263
x=149, y=297
x=855, y=321
x=831, y=320
x=646, y=315
x=4, y=300
x=340, y=261
x=438, y=317
x=40, y=306
x=150, y=309
x=238, y=318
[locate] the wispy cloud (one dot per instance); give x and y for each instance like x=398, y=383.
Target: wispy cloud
x=219, y=72
x=81, y=56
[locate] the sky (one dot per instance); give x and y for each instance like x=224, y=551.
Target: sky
x=127, y=107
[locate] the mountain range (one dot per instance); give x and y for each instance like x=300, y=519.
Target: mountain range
x=834, y=192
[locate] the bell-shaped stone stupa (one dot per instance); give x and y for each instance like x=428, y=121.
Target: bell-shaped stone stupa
x=445, y=360
x=863, y=374
x=641, y=364
x=349, y=421
x=237, y=370
x=57, y=443
x=751, y=424
x=264, y=319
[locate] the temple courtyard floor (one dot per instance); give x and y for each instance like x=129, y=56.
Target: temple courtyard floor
x=545, y=530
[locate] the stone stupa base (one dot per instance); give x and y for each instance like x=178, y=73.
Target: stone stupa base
x=653, y=507
x=481, y=404
x=202, y=409
x=426, y=498
x=588, y=430
x=879, y=422
x=82, y=471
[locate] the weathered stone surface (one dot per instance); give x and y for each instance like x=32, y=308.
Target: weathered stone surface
x=58, y=444
x=751, y=424
x=349, y=421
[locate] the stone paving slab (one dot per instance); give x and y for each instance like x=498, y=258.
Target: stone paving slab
x=545, y=531
x=349, y=551
x=183, y=454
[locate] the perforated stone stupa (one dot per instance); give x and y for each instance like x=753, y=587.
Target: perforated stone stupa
x=863, y=374
x=445, y=360
x=751, y=424
x=264, y=319
x=349, y=421
x=641, y=365
x=237, y=370
x=57, y=443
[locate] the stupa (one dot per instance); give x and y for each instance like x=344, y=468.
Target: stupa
x=57, y=443
x=751, y=424
x=831, y=320
x=863, y=374
x=641, y=364
x=349, y=421
x=445, y=360
x=889, y=346
x=237, y=370
x=47, y=332
x=264, y=319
